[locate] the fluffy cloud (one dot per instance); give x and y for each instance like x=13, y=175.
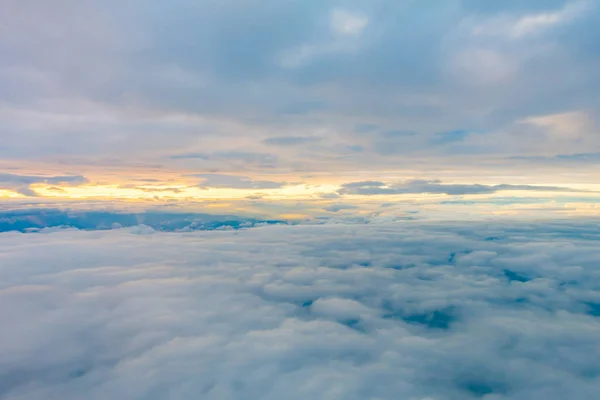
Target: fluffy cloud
x=412, y=311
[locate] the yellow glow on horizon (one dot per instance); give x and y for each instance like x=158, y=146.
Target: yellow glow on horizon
x=305, y=200
x=10, y=194
x=180, y=191
x=294, y=216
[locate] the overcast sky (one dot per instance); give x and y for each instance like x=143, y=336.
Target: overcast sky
x=98, y=99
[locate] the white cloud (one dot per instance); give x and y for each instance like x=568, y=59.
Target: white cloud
x=531, y=24
x=522, y=26
x=345, y=26
x=506, y=311
x=347, y=23
x=484, y=66
x=571, y=125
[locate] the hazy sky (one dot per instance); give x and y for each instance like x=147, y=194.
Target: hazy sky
x=269, y=105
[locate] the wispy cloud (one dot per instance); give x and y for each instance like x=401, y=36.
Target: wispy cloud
x=235, y=182
x=437, y=187
x=22, y=183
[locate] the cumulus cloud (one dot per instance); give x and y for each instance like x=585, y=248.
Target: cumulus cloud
x=411, y=311
x=22, y=183
x=437, y=187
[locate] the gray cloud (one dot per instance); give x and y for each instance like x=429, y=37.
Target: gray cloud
x=407, y=67
x=435, y=186
x=340, y=207
x=363, y=184
x=245, y=157
x=235, y=182
x=412, y=311
x=289, y=140
x=592, y=158
x=22, y=183
x=329, y=195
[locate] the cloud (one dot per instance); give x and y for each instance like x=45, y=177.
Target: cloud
x=243, y=156
x=572, y=125
x=31, y=219
x=329, y=196
x=530, y=24
x=363, y=184
x=347, y=23
x=437, y=187
x=340, y=207
x=22, y=183
x=403, y=310
x=450, y=137
x=235, y=182
x=592, y=158
x=289, y=140
x=274, y=71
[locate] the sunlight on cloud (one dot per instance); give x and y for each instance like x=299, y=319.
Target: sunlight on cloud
x=572, y=125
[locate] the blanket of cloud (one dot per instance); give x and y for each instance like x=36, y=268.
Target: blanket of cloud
x=413, y=310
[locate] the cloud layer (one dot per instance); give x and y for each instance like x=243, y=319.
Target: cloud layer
x=412, y=311
x=22, y=183
x=417, y=186
x=305, y=86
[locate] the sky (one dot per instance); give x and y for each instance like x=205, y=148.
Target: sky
x=299, y=199
x=302, y=109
